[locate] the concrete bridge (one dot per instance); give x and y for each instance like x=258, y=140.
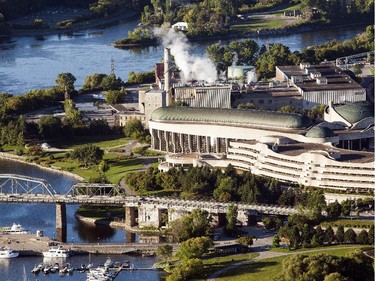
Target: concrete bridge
x=141, y=211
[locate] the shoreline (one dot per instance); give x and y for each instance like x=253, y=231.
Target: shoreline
x=22, y=159
x=79, y=26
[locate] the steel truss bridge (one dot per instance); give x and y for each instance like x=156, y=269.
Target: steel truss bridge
x=22, y=189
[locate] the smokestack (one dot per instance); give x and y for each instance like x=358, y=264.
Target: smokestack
x=167, y=78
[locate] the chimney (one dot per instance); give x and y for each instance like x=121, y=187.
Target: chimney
x=167, y=73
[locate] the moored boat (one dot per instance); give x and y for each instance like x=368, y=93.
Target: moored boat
x=56, y=252
x=14, y=229
x=7, y=253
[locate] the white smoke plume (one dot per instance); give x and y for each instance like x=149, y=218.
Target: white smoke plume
x=191, y=66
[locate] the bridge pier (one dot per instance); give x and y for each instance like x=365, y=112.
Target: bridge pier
x=61, y=231
x=130, y=216
x=149, y=216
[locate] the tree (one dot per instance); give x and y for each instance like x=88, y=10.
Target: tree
x=277, y=54
x=49, y=127
x=87, y=154
x=73, y=115
x=134, y=129
x=194, y=247
x=103, y=166
x=65, y=82
x=114, y=96
x=371, y=235
x=225, y=190
x=111, y=82
x=231, y=217
x=93, y=81
x=340, y=234
x=276, y=241
x=334, y=210
x=164, y=252
x=350, y=236
x=246, y=240
x=188, y=269
x=329, y=235
x=323, y=267
x=362, y=237
x=193, y=225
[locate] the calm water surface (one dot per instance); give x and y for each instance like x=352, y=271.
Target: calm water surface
x=42, y=216
x=28, y=63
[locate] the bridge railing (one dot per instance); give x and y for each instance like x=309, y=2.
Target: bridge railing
x=95, y=189
x=15, y=184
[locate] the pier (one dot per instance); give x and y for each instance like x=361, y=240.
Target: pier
x=31, y=245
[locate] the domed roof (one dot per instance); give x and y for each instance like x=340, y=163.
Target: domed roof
x=319, y=132
x=231, y=116
x=356, y=111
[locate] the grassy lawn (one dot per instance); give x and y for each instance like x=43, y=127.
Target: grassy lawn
x=216, y=263
x=332, y=247
x=259, y=24
x=119, y=166
x=103, y=142
x=348, y=223
x=291, y=8
x=269, y=268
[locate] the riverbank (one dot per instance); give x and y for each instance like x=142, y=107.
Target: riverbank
x=84, y=25
x=117, y=224
x=22, y=159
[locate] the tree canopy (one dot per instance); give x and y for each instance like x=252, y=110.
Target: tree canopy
x=87, y=154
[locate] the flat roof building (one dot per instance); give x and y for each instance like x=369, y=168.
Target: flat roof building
x=320, y=84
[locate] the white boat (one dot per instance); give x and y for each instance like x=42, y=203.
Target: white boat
x=14, y=229
x=7, y=253
x=56, y=252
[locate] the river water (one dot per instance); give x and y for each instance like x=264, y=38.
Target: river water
x=28, y=63
x=42, y=216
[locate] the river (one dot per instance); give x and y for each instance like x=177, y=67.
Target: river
x=28, y=63
x=42, y=216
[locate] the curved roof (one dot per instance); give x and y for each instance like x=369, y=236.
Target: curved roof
x=231, y=116
x=356, y=111
x=319, y=132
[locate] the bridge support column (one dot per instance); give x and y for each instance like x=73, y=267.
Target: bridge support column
x=130, y=216
x=149, y=216
x=61, y=232
x=243, y=217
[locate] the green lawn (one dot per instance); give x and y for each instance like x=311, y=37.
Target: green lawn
x=291, y=8
x=214, y=264
x=103, y=142
x=269, y=268
x=259, y=24
x=332, y=247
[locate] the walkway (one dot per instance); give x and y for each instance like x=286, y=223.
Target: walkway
x=267, y=255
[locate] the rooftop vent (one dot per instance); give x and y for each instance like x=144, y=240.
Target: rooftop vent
x=315, y=74
x=321, y=81
x=304, y=65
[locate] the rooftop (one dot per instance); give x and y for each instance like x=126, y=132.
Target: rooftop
x=346, y=155
x=356, y=111
x=232, y=116
x=336, y=78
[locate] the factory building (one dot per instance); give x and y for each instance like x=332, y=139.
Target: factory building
x=320, y=84
x=200, y=96
x=334, y=154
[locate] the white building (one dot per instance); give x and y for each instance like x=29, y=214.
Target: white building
x=285, y=146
